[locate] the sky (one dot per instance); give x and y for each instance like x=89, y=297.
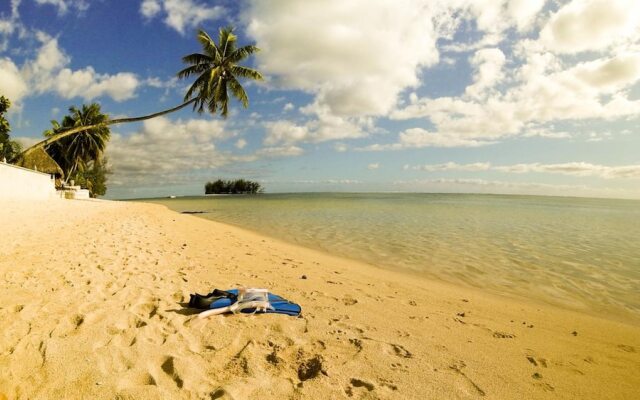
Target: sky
x=480, y=96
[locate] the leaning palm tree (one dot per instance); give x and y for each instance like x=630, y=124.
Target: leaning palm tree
x=74, y=153
x=218, y=70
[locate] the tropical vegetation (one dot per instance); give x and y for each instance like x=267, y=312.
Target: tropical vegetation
x=81, y=156
x=94, y=177
x=217, y=69
x=9, y=149
x=238, y=186
x=74, y=153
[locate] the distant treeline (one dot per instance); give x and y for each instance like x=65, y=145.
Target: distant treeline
x=238, y=186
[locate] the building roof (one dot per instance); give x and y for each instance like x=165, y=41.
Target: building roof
x=39, y=160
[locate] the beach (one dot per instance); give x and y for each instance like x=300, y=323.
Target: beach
x=92, y=304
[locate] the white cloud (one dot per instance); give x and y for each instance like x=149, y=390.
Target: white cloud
x=167, y=148
x=279, y=151
x=64, y=6
x=505, y=187
x=450, y=166
x=173, y=151
x=568, y=168
x=491, y=18
x=546, y=133
x=86, y=83
x=150, y=8
x=417, y=138
x=373, y=166
x=357, y=58
x=541, y=91
x=524, y=12
x=181, y=14
x=241, y=144
x=340, y=147
x=488, y=65
x=288, y=107
x=576, y=169
x=285, y=132
x=12, y=83
x=583, y=25
x=353, y=83
x=26, y=142
x=609, y=74
x=326, y=127
x=49, y=72
x=9, y=25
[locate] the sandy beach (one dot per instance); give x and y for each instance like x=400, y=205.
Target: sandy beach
x=92, y=305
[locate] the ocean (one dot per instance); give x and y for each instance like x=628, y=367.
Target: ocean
x=578, y=253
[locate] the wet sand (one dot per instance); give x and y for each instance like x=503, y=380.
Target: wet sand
x=92, y=306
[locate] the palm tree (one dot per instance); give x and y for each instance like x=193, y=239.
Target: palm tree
x=74, y=153
x=9, y=149
x=218, y=72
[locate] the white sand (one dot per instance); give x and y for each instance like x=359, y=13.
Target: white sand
x=90, y=307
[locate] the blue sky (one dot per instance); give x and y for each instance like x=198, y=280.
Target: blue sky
x=488, y=96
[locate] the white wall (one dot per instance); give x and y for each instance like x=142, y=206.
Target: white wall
x=17, y=183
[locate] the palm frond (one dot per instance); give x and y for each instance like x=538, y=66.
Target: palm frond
x=219, y=98
x=214, y=76
x=209, y=45
x=192, y=70
x=242, y=53
x=197, y=58
x=245, y=72
x=238, y=92
x=202, y=79
x=226, y=41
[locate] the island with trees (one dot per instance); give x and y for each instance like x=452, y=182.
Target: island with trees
x=238, y=186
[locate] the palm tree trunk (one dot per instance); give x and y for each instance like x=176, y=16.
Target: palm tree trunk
x=71, y=171
x=145, y=117
x=70, y=132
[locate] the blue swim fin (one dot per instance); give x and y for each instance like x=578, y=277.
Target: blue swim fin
x=279, y=304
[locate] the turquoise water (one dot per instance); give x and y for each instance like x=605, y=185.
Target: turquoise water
x=578, y=253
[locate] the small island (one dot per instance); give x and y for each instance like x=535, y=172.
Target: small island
x=238, y=186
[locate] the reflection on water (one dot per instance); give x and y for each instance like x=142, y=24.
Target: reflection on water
x=580, y=253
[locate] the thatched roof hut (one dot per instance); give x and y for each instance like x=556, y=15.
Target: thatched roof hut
x=39, y=160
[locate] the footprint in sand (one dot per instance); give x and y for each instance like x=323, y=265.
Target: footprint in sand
x=503, y=335
x=221, y=394
x=628, y=349
x=135, y=378
x=467, y=385
x=168, y=368
x=146, y=309
x=357, y=343
x=349, y=301
x=311, y=368
x=68, y=325
x=388, y=384
x=545, y=386
x=356, y=383
x=400, y=367
x=397, y=350
x=537, y=361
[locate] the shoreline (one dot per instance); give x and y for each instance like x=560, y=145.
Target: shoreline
x=561, y=300
x=111, y=322
x=620, y=317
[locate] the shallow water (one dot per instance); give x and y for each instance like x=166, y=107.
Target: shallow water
x=578, y=253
